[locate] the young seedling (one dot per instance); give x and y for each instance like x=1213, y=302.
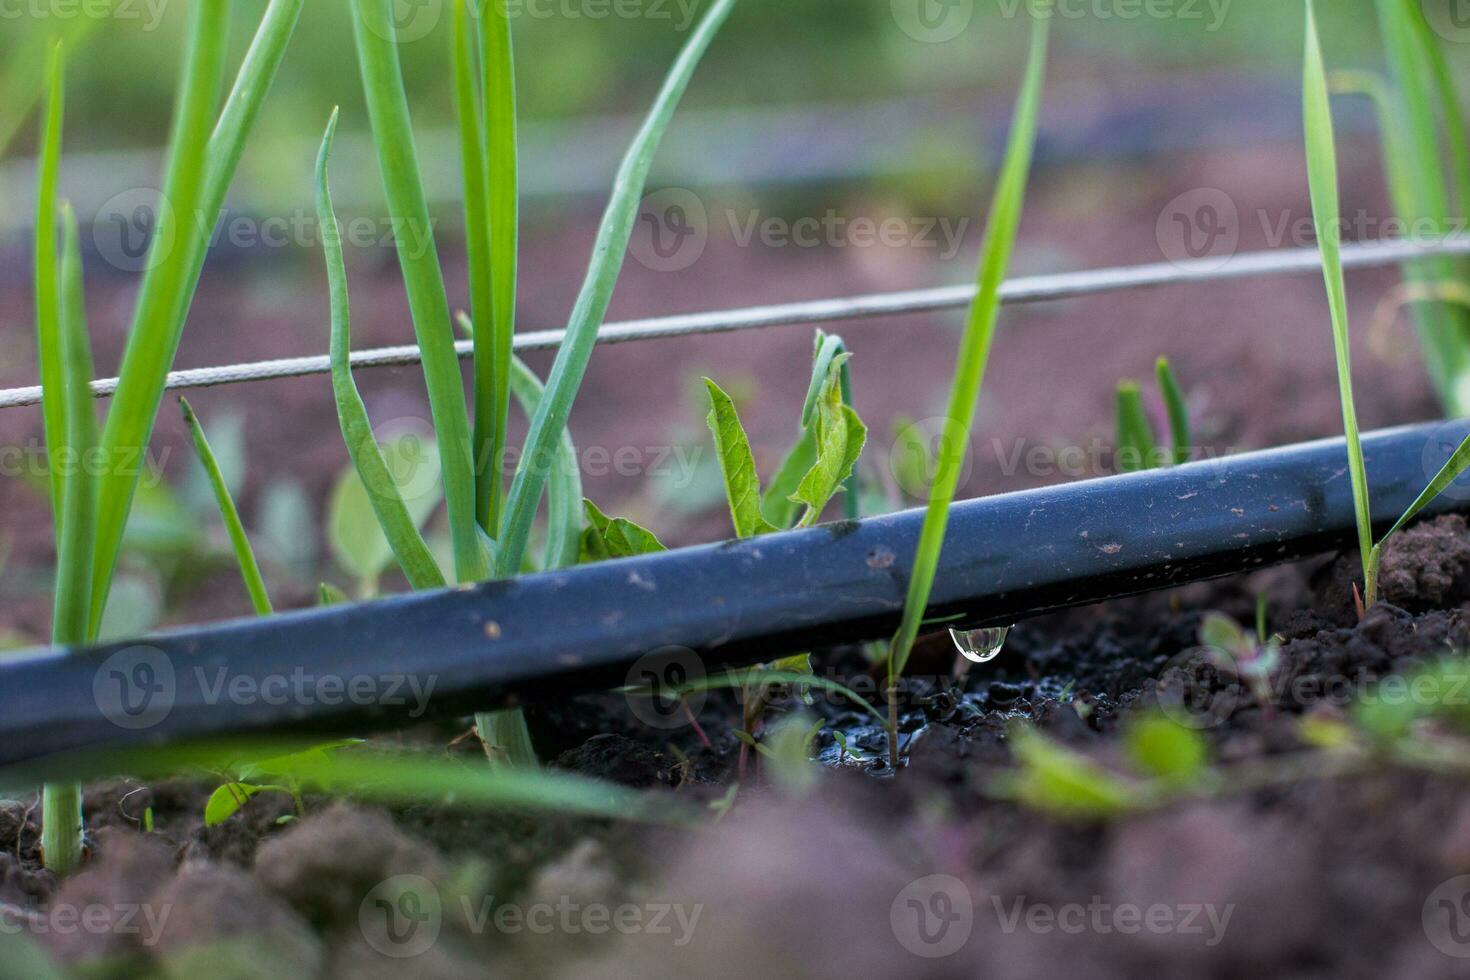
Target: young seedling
x=488, y=537
x=974, y=354
x=91, y=513
x=1254, y=659
x=817, y=468
x=1137, y=448
x=1322, y=175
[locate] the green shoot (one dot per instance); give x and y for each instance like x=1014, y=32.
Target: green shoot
x=1176, y=408
x=467, y=100
x=1136, y=445
x=606, y=537
x=742, y=485
x=1000, y=236
x=399, y=527
x=592, y=301
x=423, y=279
x=48, y=293
x=66, y=372
x=503, y=203
x=244, y=554
x=200, y=168
x=1322, y=175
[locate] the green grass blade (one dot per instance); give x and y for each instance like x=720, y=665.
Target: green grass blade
x=244, y=554
x=1451, y=111
x=75, y=532
x=423, y=278
x=1136, y=447
x=974, y=354
x=61, y=805
x=503, y=173
x=153, y=338
x=1458, y=462
x=47, y=287
x=1423, y=195
x=587, y=314
x=1177, y=410
x=564, y=493
x=742, y=486
x=399, y=527
x=1322, y=175
x=467, y=99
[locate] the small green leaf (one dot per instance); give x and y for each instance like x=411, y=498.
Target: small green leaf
x=244, y=554
x=370, y=521
x=840, y=436
x=1136, y=447
x=1164, y=749
x=1223, y=633
x=1056, y=780
x=1177, y=410
x=604, y=537
x=329, y=595
x=742, y=486
x=226, y=801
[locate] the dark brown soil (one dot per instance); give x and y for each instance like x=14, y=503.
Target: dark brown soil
x=1311, y=875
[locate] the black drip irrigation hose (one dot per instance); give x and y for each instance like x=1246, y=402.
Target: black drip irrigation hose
x=353, y=668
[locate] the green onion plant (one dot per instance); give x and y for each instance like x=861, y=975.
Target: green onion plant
x=974, y=354
x=1321, y=153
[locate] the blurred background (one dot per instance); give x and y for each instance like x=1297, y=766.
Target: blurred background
x=825, y=148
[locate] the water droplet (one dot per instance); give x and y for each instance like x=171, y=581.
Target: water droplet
x=982, y=645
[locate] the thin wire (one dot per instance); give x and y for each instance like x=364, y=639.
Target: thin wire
x=1031, y=289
